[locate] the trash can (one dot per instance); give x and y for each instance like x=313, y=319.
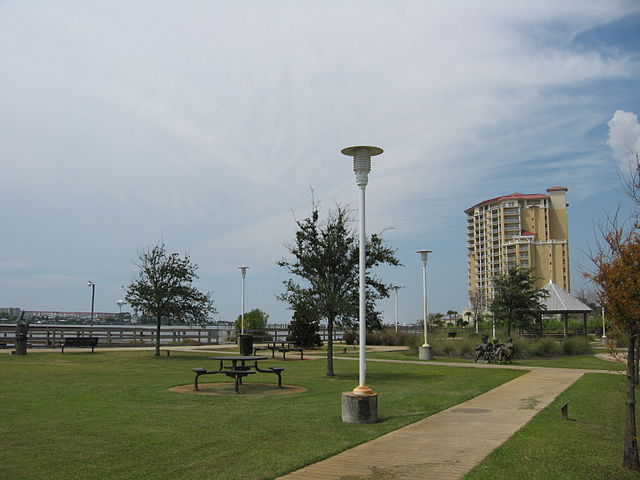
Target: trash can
x=246, y=344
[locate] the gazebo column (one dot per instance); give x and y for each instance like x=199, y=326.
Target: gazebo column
x=584, y=321
x=565, y=320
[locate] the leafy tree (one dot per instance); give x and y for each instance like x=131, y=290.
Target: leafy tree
x=452, y=314
x=434, y=319
x=164, y=290
x=617, y=263
x=516, y=302
x=256, y=319
x=326, y=259
x=304, y=327
x=477, y=303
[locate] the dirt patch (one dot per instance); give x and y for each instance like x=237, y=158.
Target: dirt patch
x=228, y=388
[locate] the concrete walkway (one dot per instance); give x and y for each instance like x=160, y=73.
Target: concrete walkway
x=447, y=445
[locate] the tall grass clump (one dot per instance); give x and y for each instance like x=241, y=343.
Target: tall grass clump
x=546, y=347
x=388, y=337
x=576, y=346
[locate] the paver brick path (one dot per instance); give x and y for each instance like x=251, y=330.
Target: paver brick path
x=447, y=445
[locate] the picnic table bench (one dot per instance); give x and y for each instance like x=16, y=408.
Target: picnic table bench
x=282, y=347
x=80, y=342
x=238, y=369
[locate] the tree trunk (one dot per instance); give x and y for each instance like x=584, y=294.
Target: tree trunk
x=330, y=347
x=157, y=354
x=630, y=460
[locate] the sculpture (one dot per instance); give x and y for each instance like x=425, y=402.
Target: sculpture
x=22, y=331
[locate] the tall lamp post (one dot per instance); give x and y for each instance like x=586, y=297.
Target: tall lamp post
x=93, y=296
x=425, y=351
x=243, y=272
x=396, y=288
x=120, y=304
x=361, y=405
x=604, y=331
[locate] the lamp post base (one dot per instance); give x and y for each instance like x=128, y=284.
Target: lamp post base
x=425, y=352
x=604, y=340
x=359, y=408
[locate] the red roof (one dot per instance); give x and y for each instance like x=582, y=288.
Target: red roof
x=513, y=196
x=524, y=233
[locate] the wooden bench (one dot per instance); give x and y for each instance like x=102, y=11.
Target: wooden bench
x=80, y=342
x=452, y=334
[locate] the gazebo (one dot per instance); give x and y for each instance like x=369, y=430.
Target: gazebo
x=562, y=302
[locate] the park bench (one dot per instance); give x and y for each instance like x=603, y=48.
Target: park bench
x=80, y=342
x=282, y=347
x=452, y=334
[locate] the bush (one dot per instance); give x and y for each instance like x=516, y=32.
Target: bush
x=576, y=346
x=388, y=337
x=546, y=347
x=349, y=337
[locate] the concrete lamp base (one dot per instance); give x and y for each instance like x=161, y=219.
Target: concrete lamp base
x=604, y=340
x=359, y=408
x=425, y=352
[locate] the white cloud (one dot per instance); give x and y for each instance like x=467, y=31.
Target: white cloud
x=205, y=123
x=624, y=138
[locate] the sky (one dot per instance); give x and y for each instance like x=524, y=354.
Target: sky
x=207, y=125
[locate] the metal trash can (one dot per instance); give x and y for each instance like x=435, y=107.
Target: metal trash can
x=246, y=344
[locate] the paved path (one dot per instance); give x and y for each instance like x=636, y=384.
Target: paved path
x=447, y=445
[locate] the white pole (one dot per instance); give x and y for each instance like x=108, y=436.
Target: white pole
x=361, y=167
x=424, y=307
x=243, y=272
x=363, y=293
x=396, y=289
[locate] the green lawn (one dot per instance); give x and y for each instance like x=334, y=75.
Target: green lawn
x=110, y=415
x=574, y=361
x=549, y=448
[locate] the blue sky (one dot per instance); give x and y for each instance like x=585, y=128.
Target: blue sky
x=206, y=124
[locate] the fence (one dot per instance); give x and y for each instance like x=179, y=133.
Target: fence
x=132, y=335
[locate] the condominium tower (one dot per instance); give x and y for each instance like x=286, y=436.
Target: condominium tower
x=525, y=230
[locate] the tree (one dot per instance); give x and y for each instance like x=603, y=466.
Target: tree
x=617, y=262
x=326, y=258
x=256, y=319
x=516, y=302
x=477, y=303
x=452, y=314
x=164, y=290
x=304, y=327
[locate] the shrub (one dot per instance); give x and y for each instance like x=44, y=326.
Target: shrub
x=546, y=347
x=349, y=337
x=576, y=346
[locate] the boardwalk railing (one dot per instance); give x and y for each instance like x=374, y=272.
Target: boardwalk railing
x=132, y=335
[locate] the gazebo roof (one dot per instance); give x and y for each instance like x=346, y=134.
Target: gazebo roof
x=560, y=301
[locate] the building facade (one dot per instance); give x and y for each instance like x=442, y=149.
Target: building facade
x=524, y=230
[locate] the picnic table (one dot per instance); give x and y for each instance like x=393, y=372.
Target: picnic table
x=282, y=347
x=238, y=367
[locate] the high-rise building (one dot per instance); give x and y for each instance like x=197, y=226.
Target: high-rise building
x=524, y=230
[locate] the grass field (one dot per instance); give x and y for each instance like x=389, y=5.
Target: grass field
x=589, y=362
x=110, y=415
x=549, y=448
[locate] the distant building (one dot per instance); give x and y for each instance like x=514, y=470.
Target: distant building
x=525, y=230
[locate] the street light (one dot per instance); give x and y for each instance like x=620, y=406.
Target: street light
x=243, y=272
x=120, y=304
x=603, y=340
x=361, y=405
x=93, y=296
x=396, y=288
x=425, y=352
